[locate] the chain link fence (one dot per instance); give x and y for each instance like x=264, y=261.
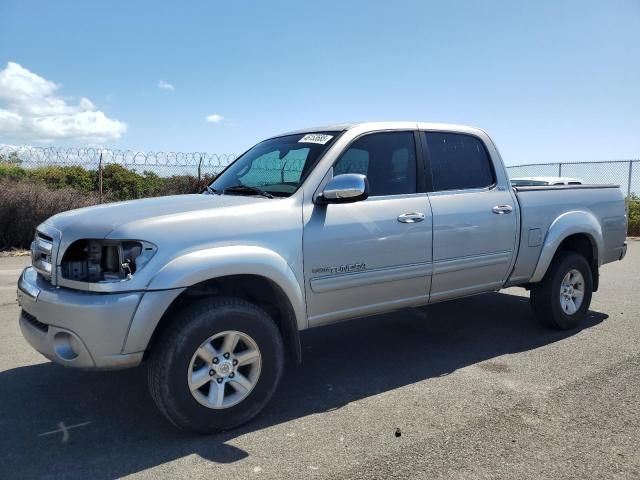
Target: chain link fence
x=165, y=163
x=113, y=174
x=196, y=168
x=625, y=173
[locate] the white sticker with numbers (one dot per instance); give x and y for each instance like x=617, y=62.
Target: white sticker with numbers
x=320, y=138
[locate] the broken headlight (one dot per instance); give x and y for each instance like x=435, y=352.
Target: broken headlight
x=105, y=260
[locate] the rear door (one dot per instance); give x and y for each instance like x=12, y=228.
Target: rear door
x=474, y=217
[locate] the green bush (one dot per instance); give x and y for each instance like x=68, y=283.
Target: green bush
x=118, y=182
x=12, y=171
x=634, y=216
x=179, y=184
x=53, y=176
x=28, y=196
x=124, y=184
x=75, y=177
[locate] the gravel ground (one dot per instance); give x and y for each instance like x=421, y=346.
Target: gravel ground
x=469, y=389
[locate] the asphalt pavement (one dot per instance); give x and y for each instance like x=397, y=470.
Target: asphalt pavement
x=470, y=389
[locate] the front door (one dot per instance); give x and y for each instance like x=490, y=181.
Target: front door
x=365, y=257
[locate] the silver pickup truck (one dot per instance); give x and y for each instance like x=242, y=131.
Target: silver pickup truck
x=304, y=229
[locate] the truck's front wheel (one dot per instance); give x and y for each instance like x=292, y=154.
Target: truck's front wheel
x=563, y=296
x=217, y=365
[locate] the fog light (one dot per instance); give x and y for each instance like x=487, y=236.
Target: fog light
x=63, y=344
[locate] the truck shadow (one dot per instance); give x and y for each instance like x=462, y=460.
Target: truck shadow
x=113, y=428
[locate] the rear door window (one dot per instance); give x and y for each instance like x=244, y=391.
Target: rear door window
x=458, y=162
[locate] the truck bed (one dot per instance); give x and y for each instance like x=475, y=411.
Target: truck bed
x=540, y=206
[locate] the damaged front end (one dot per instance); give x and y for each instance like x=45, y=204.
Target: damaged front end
x=103, y=262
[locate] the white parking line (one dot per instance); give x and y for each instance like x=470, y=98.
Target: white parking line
x=62, y=428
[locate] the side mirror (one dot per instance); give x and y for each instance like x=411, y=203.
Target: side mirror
x=345, y=188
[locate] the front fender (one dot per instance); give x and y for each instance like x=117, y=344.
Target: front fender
x=568, y=223
x=196, y=267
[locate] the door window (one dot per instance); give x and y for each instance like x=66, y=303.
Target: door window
x=458, y=162
x=388, y=159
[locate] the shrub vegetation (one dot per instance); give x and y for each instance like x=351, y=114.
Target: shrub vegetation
x=118, y=182
x=24, y=205
x=29, y=196
x=634, y=216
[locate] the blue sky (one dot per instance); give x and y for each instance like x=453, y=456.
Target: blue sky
x=550, y=80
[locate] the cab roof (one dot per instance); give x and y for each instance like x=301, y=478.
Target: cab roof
x=340, y=127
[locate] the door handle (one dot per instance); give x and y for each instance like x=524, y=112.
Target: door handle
x=502, y=209
x=413, y=217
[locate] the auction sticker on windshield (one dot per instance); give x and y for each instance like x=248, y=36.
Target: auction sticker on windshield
x=315, y=138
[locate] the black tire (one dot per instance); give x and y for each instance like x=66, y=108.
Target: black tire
x=171, y=356
x=545, y=295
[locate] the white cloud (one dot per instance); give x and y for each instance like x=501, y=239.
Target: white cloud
x=9, y=122
x=214, y=118
x=162, y=85
x=32, y=111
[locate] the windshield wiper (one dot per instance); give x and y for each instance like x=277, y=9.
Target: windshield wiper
x=212, y=190
x=247, y=189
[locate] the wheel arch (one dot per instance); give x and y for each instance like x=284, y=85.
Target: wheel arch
x=256, y=289
x=254, y=273
x=579, y=232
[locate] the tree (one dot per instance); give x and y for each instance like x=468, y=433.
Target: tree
x=12, y=158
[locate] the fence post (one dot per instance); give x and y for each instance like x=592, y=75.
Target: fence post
x=100, y=177
x=199, y=174
x=629, y=180
x=559, y=169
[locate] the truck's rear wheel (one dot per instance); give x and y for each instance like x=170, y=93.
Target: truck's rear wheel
x=217, y=365
x=563, y=296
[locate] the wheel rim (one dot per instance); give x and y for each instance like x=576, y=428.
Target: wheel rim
x=224, y=369
x=572, y=292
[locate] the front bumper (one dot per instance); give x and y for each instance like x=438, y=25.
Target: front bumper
x=76, y=329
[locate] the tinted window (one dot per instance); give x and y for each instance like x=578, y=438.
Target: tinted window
x=387, y=159
x=458, y=162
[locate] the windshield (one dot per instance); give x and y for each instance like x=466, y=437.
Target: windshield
x=277, y=166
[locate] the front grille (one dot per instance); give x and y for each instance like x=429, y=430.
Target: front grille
x=43, y=327
x=43, y=249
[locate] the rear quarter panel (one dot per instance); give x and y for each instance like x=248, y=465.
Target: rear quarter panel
x=550, y=214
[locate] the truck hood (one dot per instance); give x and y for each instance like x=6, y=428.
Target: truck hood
x=101, y=220
x=183, y=224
